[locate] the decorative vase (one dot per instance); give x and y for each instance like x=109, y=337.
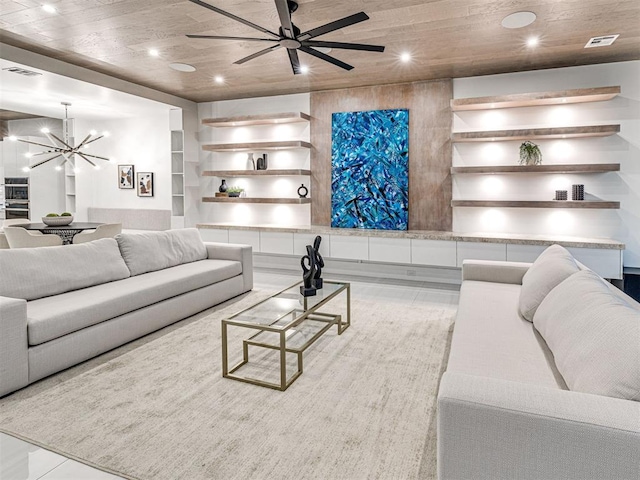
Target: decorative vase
x=577, y=192
x=561, y=195
x=250, y=159
x=303, y=191
x=262, y=162
x=223, y=186
x=307, y=289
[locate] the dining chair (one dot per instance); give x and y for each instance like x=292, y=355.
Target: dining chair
x=15, y=221
x=19, y=237
x=3, y=241
x=107, y=230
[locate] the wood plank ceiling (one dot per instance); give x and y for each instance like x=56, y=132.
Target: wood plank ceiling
x=456, y=38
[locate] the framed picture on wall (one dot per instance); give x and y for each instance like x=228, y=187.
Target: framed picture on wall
x=144, y=181
x=125, y=176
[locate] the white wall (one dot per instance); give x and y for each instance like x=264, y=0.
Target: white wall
x=251, y=214
x=624, y=148
x=144, y=142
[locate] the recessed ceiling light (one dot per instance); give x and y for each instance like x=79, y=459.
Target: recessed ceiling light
x=405, y=57
x=49, y=8
x=532, y=42
x=218, y=79
x=304, y=69
x=603, y=41
x=182, y=67
x=154, y=53
x=518, y=20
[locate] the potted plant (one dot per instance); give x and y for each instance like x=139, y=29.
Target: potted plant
x=530, y=154
x=234, y=191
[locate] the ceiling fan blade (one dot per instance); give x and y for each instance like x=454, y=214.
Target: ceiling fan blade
x=257, y=54
x=248, y=39
x=233, y=17
x=326, y=58
x=346, y=46
x=295, y=61
x=285, y=18
x=330, y=27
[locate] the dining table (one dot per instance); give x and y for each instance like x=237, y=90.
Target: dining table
x=66, y=232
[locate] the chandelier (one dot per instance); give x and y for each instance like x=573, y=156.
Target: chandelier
x=61, y=147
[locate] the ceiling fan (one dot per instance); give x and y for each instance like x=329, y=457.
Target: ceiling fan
x=290, y=37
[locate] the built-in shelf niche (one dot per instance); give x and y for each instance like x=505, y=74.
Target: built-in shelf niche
x=580, y=95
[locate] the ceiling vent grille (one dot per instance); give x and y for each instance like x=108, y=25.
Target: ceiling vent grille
x=22, y=71
x=603, y=41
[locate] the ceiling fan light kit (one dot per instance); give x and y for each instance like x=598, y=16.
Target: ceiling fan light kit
x=291, y=38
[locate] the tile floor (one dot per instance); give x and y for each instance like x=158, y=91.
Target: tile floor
x=20, y=460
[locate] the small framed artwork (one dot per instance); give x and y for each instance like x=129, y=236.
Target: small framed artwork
x=125, y=176
x=145, y=184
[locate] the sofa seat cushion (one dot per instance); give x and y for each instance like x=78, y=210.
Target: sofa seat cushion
x=52, y=317
x=32, y=273
x=594, y=336
x=490, y=339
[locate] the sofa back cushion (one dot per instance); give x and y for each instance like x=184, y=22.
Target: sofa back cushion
x=148, y=252
x=594, y=336
x=31, y=273
x=553, y=266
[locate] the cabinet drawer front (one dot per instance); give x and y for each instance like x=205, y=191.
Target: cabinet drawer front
x=351, y=248
x=439, y=253
x=481, y=251
x=276, y=242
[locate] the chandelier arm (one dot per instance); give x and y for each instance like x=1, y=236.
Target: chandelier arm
x=90, y=141
x=92, y=156
x=82, y=156
x=57, y=152
x=83, y=141
x=43, y=161
x=60, y=140
x=36, y=143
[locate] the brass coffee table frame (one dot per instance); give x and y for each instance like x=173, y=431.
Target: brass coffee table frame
x=305, y=313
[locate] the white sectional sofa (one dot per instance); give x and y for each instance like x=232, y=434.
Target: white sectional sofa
x=558, y=398
x=60, y=306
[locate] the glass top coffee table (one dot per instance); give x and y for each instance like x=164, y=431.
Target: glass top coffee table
x=288, y=323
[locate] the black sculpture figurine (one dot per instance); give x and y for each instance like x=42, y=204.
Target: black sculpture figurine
x=317, y=279
x=307, y=289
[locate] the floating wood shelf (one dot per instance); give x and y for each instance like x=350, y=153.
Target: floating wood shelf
x=245, y=147
x=294, y=201
x=581, y=95
x=537, y=204
x=572, y=168
x=536, y=133
x=256, y=173
x=251, y=120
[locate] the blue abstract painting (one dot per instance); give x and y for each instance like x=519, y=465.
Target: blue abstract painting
x=370, y=169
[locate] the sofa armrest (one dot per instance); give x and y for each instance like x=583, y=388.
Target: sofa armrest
x=494, y=271
x=235, y=252
x=497, y=429
x=14, y=345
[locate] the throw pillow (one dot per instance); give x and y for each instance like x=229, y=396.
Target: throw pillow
x=553, y=266
x=148, y=252
x=594, y=336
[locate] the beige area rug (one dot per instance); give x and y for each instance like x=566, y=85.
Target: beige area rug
x=159, y=408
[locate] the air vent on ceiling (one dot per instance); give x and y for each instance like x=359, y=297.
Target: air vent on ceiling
x=22, y=71
x=603, y=41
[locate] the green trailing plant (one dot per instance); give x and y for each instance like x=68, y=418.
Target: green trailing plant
x=530, y=154
x=52, y=215
x=235, y=190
